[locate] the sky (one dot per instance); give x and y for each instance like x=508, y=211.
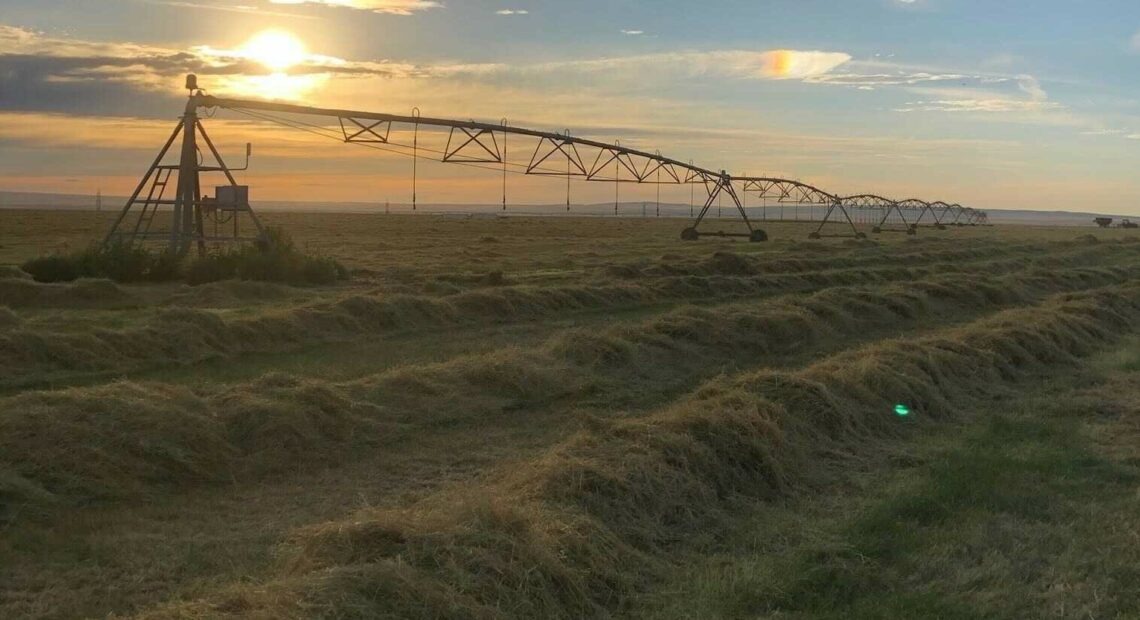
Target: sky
x=1023, y=104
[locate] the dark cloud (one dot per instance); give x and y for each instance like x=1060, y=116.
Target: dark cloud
x=51, y=84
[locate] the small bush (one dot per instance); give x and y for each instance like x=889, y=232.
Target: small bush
x=275, y=258
x=120, y=262
x=55, y=268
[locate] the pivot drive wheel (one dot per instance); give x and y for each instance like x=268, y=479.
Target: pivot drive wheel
x=690, y=234
x=758, y=236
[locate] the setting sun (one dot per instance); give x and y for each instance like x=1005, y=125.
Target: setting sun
x=276, y=49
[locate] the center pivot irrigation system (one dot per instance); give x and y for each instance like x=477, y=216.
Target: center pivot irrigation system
x=201, y=220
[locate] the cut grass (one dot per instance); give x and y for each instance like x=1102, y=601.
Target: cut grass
x=184, y=335
x=1023, y=513
x=280, y=422
x=342, y=485
x=580, y=531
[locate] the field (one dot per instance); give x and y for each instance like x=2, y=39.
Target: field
x=565, y=418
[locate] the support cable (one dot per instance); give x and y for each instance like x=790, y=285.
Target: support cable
x=617, y=178
x=505, y=133
x=659, y=187
x=415, y=152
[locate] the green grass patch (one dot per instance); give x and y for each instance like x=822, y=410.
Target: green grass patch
x=1018, y=518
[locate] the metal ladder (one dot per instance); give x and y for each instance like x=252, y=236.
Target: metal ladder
x=152, y=202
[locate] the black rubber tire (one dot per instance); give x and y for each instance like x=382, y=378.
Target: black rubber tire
x=814, y=235
x=861, y=235
x=876, y=230
x=690, y=234
x=912, y=231
x=758, y=236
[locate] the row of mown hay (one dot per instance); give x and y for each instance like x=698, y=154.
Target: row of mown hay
x=576, y=532
x=731, y=263
x=183, y=335
x=20, y=291
x=124, y=440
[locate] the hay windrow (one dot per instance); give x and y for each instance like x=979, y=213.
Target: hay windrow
x=86, y=293
x=13, y=272
x=279, y=423
x=163, y=341
x=9, y=319
x=578, y=531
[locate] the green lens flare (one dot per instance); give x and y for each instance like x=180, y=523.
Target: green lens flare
x=902, y=410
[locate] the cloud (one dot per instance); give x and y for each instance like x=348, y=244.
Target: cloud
x=393, y=7
x=1030, y=86
x=633, y=32
x=227, y=8
x=791, y=64
x=978, y=104
x=896, y=78
x=512, y=12
x=738, y=64
x=984, y=101
x=37, y=70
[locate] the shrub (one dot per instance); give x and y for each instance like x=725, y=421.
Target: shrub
x=275, y=258
x=120, y=262
x=54, y=268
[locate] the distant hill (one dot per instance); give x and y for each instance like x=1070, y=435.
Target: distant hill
x=35, y=200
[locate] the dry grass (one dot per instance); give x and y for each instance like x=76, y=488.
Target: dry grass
x=577, y=531
x=512, y=418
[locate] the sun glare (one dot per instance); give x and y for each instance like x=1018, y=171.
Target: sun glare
x=276, y=49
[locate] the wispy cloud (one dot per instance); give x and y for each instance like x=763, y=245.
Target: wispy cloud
x=978, y=104
x=393, y=7
x=1029, y=97
x=740, y=64
x=633, y=32
x=512, y=12
x=1030, y=86
x=228, y=8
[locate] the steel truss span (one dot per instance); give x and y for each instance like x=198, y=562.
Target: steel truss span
x=485, y=145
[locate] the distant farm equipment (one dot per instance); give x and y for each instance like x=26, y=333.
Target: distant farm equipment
x=1106, y=222
x=479, y=145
